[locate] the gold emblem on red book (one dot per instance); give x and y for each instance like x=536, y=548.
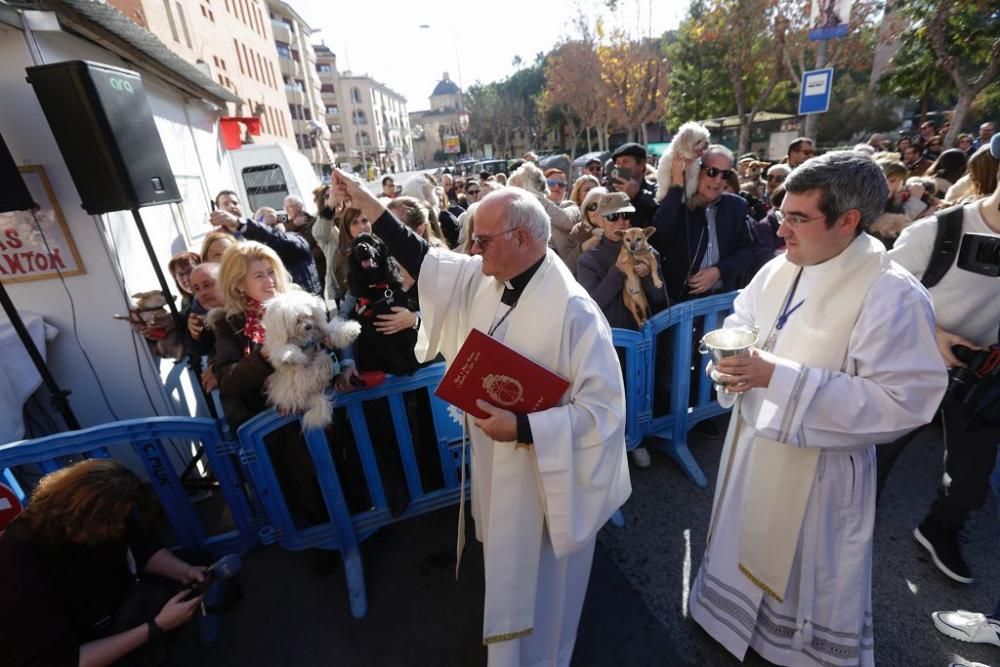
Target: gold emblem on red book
x=503, y=389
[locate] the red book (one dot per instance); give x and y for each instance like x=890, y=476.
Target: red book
x=487, y=369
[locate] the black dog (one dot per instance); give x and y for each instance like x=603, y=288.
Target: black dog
x=373, y=277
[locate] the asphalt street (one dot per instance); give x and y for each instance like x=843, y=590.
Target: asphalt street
x=635, y=613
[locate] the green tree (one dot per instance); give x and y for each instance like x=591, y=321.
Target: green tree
x=699, y=86
x=957, y=40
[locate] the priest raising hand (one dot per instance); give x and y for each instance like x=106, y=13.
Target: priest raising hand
x=501, y=425
x=574, y=474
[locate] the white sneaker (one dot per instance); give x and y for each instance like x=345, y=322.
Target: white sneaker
x=967, y=664
x=968, y=626
x=640, y=457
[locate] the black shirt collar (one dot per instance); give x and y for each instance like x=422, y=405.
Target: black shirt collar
x=516, y=285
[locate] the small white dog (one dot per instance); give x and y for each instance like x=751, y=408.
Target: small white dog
x=688, y=144
x=531, y=178
x=296, y=329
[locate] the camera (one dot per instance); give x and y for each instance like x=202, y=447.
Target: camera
x=982, y=369
x=282, y=218
x=980, y=253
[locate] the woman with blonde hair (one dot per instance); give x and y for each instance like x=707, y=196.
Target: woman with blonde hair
x=214, y=245
x=581, y=187
x=587, y=233
x=69, y=594
x=251, y=274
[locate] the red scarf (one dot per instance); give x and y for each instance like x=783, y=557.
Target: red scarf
x=254, y=328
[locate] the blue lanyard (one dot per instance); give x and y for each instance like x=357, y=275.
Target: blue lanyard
x=787, y=312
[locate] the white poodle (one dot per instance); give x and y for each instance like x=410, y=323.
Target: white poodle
x=688, y=144
x=531, y=178
x=296, y=329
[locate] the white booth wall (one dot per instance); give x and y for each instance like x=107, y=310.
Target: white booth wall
x=110, y=246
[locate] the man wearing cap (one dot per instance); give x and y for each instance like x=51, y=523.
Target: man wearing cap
x=632, y=157
x=967, y=313
x=543, y=482
x=594, y=168
x=705, y=243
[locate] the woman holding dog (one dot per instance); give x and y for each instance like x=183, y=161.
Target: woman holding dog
x=251, y=274
x=608, y=269
x=603, y=270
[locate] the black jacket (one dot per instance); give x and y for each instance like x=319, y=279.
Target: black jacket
x=292, y=249
x=682, y=237
x=604, y=283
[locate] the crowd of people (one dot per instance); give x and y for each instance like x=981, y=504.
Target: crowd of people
x=862, y=361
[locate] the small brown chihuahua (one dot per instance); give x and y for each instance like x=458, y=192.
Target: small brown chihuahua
x=635, y=246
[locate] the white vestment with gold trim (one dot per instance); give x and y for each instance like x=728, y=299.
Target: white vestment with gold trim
x=891, y=382
x=537, y=509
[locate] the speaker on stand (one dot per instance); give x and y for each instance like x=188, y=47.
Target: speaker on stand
x=101, y=120
x=14, y=196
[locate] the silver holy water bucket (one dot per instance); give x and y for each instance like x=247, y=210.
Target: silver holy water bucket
x=723, y=343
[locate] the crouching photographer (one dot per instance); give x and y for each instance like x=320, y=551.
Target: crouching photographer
x=956, y=255
x=84, y=581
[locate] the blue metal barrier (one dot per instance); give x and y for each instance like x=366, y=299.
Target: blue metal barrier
x=345, y=531
x=148, y=440
x=645, y=366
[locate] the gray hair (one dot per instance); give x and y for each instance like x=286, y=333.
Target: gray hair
x=524, y=210
x=718, y=149
x=295, y=200
x=847, y=180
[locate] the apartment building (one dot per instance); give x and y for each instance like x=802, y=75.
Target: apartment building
x=329, y=80
x=376, y=123
x=300, y=79
x=233, y=43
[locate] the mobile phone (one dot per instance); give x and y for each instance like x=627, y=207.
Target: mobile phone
x=624, y=173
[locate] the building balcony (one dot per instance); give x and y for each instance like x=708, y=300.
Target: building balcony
x=289, y=67
x=281, y=31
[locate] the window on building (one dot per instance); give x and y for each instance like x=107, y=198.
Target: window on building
x=356, y=95
x=332, y=110
x=293, y=109
x=265, y=186
x=336, y=128
x=360, y=118
x=283, y=50
x=300, y=84
x=170, y=21
x=307, y=113
x=324, y=68
x=362, y=139
x=327, y=88
x=295, y=56
x=184, y=26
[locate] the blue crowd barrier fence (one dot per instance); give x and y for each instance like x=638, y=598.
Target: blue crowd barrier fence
x=153, y=441
x=658, y=366
x=666, y=392
x=345, y=531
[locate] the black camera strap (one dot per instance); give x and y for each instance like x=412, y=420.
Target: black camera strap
x=946, y=244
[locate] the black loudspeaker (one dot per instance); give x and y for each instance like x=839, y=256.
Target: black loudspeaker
x=101, y=120
x=14, y=195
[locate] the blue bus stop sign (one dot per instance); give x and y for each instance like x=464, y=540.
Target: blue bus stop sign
x=814, y=95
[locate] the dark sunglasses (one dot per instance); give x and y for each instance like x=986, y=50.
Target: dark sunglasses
x=715, y=171
x=472, y=192
x=612, y=217
x=553, y=183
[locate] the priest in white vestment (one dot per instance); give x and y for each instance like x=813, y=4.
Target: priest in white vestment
x=847, y=358
x=544, y=483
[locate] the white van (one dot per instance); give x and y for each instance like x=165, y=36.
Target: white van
x=264, y=174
